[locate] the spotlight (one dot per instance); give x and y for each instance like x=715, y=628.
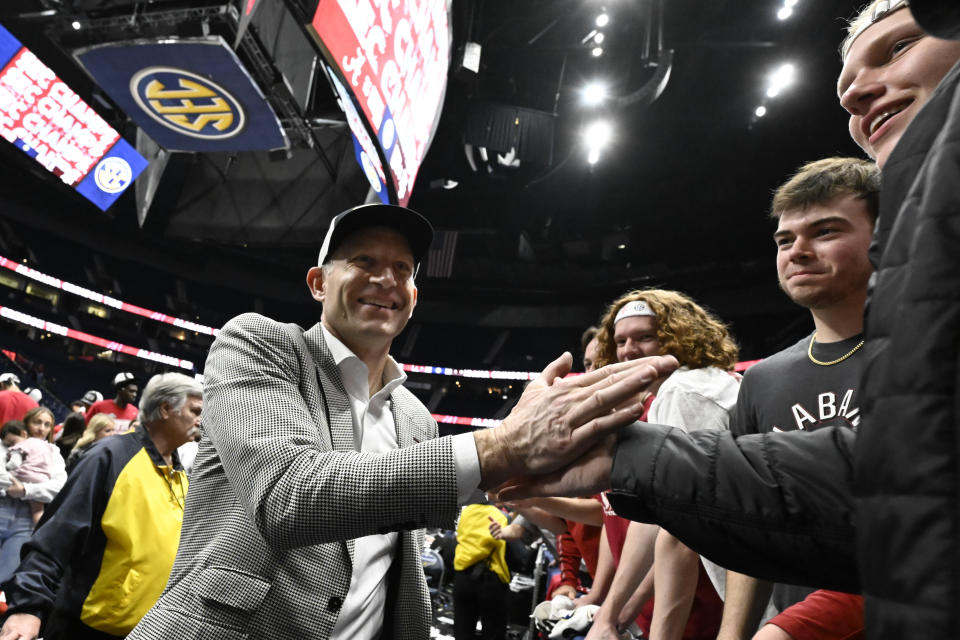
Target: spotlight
x=598, y=38
x=596, y=52
x=784, y=75
x=784, y=13
x=761, y=111
x=594, y=93
x=598, y=134
x=779, y=79
x=603, y=20
x=75, y=25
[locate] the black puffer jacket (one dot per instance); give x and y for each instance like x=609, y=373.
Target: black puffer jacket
x=907, y=486
x=780, y=506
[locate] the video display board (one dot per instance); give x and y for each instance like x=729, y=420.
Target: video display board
x=393, y=58
x=44, y=118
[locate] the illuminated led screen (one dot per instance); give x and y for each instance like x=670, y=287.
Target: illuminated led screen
x=394, y=61
x=45, y=119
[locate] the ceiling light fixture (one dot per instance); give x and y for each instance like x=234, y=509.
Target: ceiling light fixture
x=594, y=94
x=603, y=20
x=598, y=134
x=597, y=52
x=780, y=79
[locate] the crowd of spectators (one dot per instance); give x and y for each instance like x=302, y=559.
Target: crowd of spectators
x=89, y=532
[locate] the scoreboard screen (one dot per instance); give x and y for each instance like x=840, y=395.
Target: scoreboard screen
x=44, y=118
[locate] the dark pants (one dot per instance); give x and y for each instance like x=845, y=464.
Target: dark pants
x=59, y=626
x=478, y=594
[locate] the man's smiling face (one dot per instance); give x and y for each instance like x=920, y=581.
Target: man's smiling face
x=890, y=72
x=367, y=290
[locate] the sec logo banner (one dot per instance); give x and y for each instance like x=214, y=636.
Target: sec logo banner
x=187, y=103
x=113, y=174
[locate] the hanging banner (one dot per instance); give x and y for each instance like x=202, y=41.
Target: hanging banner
x=44, y=118
x=393, y=58
x=247, y=7
x=187, y=94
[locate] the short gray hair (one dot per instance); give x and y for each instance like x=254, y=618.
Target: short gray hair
x=170, y=389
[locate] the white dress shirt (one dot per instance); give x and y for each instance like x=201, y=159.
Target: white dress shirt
x=361, y=616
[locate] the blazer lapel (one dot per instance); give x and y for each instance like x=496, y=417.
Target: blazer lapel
x=340, y=418
x=403, y=424
x=336, y=401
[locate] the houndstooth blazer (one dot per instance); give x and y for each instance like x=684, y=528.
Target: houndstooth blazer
x=278, y=493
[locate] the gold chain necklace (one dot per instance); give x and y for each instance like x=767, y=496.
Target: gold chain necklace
x=832, y=362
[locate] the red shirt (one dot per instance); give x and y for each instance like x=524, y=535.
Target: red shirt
x=579, y=541
x=123, y=417
x=831, y=615
x=13, y=404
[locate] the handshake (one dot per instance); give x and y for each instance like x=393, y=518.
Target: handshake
x=558, y=440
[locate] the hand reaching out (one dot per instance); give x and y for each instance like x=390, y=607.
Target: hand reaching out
x=557, y=419
x=586, y=475
x=509, y=532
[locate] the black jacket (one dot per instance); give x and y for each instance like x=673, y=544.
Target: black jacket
x=907, y=486
x=781, y=506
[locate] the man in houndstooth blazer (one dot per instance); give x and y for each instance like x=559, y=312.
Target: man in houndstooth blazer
x=280, y=491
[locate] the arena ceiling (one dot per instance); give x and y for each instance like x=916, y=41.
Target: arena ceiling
x=678, y=198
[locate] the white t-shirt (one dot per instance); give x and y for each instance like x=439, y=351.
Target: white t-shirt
x=694, y=399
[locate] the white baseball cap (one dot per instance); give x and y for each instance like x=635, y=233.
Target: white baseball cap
x=124, y=378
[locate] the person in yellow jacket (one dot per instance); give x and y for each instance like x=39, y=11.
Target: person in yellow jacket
x=102, y=553
x=480, y=584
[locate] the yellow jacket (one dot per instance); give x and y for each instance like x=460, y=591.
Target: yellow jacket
x=110, y=535
x=475, y=544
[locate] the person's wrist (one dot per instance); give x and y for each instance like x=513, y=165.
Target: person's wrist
x=494, y=457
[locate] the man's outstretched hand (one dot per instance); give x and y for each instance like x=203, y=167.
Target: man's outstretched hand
x=587, y=475
x=559, y=419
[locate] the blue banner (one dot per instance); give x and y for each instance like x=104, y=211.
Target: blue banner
x=113, y=174
x=186, y=94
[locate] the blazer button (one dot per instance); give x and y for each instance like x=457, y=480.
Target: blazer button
x=334, y=604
